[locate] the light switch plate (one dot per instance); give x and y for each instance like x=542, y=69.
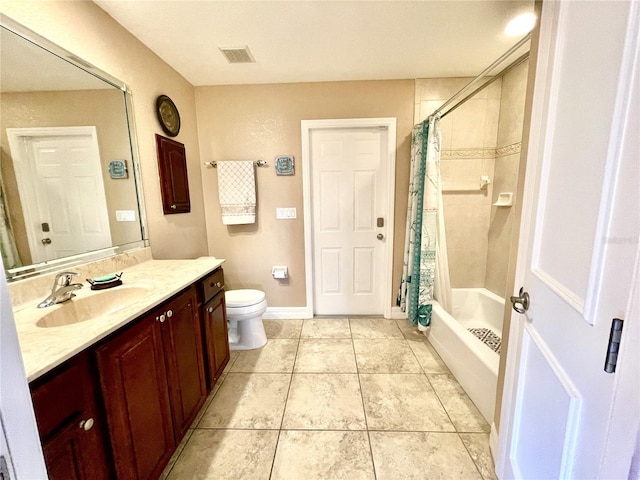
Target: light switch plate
x=286, y=213
x=125, y=215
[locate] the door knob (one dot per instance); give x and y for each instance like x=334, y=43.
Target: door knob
x=46, y=241
x=521, y=303
x=380, y=236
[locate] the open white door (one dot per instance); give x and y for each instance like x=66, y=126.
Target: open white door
x=578, y=247
x=20, y=451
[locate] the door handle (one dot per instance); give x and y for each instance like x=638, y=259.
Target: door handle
x=46, y=241
x=380, y=236
x=521, y=304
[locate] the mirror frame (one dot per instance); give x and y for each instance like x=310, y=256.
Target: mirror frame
x=29, y=271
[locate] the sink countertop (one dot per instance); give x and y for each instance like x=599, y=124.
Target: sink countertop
x=45, y=348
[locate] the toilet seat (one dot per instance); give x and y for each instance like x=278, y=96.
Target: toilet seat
x=243, y=298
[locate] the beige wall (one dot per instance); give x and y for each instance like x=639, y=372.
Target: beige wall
x=514, y=88
x=262, y=121
x=469, y=136
x=88, y=32
x=103, y=109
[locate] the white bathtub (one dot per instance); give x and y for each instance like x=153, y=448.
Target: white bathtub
x=473, y=363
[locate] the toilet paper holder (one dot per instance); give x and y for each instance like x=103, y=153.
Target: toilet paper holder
x=279, y=272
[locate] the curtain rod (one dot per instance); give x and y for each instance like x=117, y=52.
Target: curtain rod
x=484, y=73
x=502, y=73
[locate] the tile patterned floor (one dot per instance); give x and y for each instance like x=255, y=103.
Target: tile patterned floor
x=336, y=399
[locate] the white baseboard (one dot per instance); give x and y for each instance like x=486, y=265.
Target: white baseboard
x=493, y=443
x=398, y=314
x=287, y=313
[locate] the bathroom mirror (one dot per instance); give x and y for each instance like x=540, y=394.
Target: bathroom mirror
x=69, y=173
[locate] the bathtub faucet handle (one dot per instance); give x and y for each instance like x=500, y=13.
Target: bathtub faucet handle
x=521, y=303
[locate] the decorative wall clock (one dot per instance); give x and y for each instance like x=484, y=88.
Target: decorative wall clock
x=168, y=115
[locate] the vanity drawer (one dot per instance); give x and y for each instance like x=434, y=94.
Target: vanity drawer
x=212, y=284
x=62, y=396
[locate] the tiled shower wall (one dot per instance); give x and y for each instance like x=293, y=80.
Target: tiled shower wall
x=505, y=178
x=481, y=137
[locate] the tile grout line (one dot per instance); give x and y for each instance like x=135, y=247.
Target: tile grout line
x=364, y=410
x=432, y=388
x=457, y=433
x=471, y=456
x=284, y=409
x=191, y=431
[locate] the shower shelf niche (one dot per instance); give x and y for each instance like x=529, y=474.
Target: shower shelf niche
x=505, y=199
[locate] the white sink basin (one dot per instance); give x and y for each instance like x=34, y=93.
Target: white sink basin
x=81, y=309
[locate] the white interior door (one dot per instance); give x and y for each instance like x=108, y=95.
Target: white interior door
x=581, y=225
x=62, y=191
x=350, y=225
x=19, y=439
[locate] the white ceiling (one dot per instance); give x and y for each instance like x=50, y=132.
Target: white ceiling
x=311, y=41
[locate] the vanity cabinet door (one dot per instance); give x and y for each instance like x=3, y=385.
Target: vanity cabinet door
x=182, y=339
x=217, y=336
x=71, y=426
x=136, y=396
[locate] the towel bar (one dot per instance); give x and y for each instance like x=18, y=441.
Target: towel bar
x=257, y=163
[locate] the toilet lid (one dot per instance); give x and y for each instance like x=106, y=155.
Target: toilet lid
x=243, y=298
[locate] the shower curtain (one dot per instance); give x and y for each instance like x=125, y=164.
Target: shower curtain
x=425, y=272
x=10, y=257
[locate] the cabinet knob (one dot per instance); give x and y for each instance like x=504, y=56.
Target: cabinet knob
x=218, y=284
x=210, y=309
x=87, y=424
x=161, y=318
x=173, y=207
x=169, y=313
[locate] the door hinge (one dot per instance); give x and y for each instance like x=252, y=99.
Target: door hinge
x=613, y=346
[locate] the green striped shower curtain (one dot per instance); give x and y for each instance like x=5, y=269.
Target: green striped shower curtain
x=421, y=237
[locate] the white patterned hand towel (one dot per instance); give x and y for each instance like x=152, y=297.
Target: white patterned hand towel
x=237, y=192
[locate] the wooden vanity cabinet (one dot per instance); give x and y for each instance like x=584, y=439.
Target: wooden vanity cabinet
x=136, y=396
x=71, y=422
x=216, y=335
x=152, y=378
x=182, y=339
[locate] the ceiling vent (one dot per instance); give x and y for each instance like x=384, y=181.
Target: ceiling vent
x=237, y=54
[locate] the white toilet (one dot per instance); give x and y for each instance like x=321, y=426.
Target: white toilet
x=244, y=314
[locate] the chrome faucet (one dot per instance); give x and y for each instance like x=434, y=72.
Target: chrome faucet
x=62, y=289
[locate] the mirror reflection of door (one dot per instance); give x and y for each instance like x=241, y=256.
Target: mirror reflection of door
x=61, y=190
